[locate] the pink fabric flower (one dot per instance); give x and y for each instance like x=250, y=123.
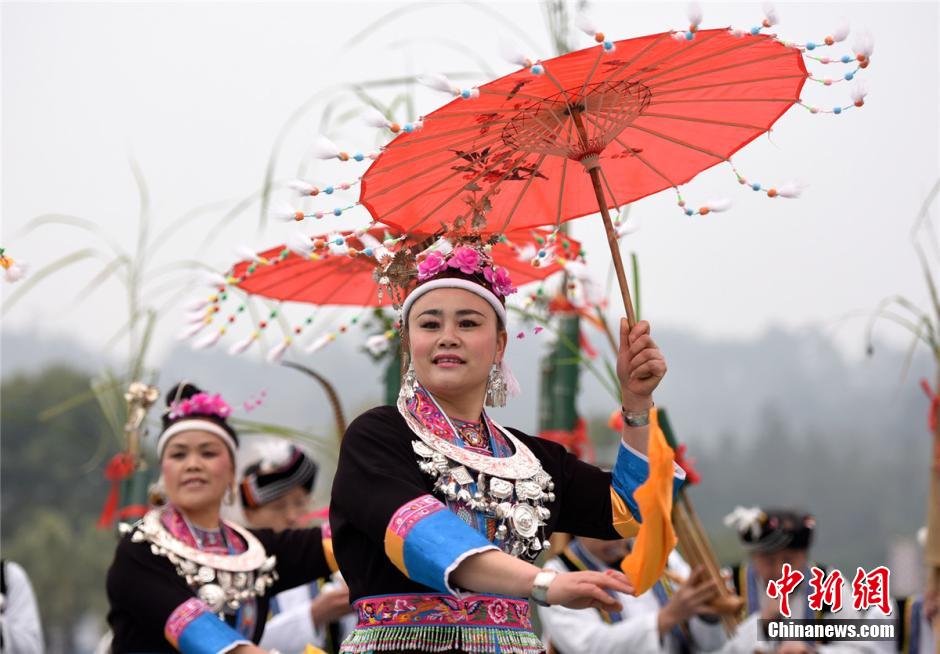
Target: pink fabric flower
x=201, y=404
x=466, y=260
x=498, y=611
x=500, y=281
x=432, y=264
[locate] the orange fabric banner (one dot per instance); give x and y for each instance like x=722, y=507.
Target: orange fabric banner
x=645, y=564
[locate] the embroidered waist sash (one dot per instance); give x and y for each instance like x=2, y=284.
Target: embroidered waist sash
x=483, y=624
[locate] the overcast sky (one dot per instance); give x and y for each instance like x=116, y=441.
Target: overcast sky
x=198, y=94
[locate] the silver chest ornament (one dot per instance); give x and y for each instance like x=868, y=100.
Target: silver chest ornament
x=222, y=581
x=517, y=506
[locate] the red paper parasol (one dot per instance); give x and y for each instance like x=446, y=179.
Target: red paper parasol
x=324, y=277
x=338, y=270
x=593, y=129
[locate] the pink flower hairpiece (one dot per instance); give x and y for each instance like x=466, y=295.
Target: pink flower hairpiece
x=432, y=265
x=200, y=404
x=469, y=261
x=500, y=281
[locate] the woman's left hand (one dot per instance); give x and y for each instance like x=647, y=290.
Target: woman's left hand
x=640, y=366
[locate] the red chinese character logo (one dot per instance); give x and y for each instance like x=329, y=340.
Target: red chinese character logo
x=826, y=590
x=781, y=588
x=871, y=590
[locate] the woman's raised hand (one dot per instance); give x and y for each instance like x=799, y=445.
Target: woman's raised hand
x=587, y=589
x=640, y=365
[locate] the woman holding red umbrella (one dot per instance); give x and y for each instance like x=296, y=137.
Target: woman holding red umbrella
x=438, y=512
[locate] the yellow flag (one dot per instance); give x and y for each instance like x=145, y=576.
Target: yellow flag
x=645, y=564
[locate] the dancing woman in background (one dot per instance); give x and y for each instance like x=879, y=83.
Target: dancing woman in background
x=184, y=580
x=438, y=512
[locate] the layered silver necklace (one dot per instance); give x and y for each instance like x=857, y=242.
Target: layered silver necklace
x=511, y=490
x=222, y=581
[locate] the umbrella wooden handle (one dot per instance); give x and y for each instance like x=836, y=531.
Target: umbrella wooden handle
x=614, y=247
x=592, y=169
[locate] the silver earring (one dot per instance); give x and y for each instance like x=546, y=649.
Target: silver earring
x=229, y=498
x=408, y=383
x=496, y=387
x=156, y=494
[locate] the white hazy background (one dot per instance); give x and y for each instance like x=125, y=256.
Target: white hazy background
x=197, y=94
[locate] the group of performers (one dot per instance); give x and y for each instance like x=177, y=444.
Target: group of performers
x=437, y=517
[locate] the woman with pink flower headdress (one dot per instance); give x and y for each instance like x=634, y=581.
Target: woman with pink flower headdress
x=184, y=580
x=438, y=512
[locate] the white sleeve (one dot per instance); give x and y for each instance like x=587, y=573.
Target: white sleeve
x=746, y=639
x=573, y=631
x=292, y=630
x=707, y=636
x=22, y=631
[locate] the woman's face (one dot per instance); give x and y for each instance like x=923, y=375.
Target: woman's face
x=454, y=339
x=283, y=513
x=197, y=469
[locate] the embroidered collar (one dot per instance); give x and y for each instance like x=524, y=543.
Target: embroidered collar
x=429, y=423
x=221, y=541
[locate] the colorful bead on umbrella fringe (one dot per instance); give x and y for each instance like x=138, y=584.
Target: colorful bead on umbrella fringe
x=208, y=321
x=13, y=271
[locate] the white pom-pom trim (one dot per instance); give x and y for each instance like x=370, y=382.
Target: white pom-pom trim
x=511, y=52
x=302, y=187
x=694, y=13
x=864, y=44
x=300, y=244
x=318, y=344
x=721, y=204
x=791, y=190
x=209, y=340
x=438, y=82
x=375, y=118
x=324, y=148
x=584, y=23
x=770, y=14
x=284, y=213
x=197, y=305
x=191, y=331
x=841, y=33
x=242, y=345
x=246, y=252
x=276, y=353
x=195, y=316
x=210, y=278
x=858, y=91
x=16, y=272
